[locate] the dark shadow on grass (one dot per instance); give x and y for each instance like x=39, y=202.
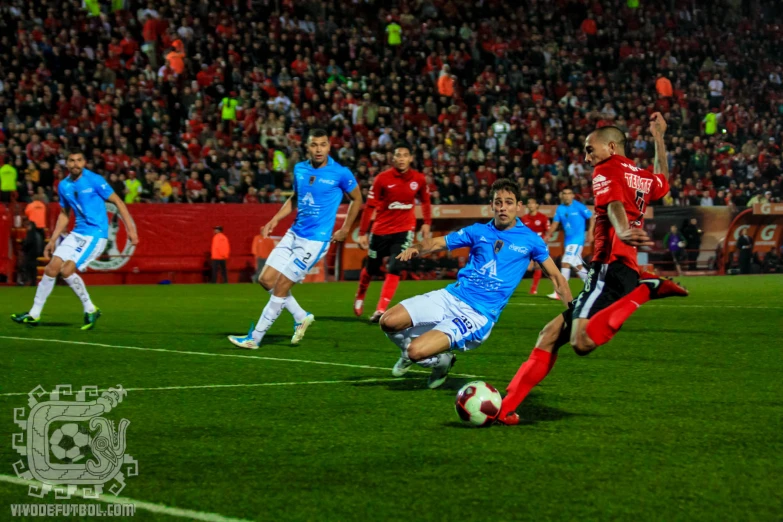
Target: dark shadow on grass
x=530, y=413
x=342, y=319
x=55, y=325
x=268, y=339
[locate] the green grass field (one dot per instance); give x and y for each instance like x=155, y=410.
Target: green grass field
x=678, y=418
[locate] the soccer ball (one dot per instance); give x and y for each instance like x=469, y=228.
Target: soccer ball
x=478, y=403
x=69, y=443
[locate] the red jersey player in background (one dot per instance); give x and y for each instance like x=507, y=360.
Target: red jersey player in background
x=393, y=197
x=613, y=290
x=538, y=223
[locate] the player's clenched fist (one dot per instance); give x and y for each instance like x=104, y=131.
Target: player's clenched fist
x=657, y=125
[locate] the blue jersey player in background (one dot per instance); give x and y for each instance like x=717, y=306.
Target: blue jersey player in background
x=319, y=185
x=572, y=216
x=85, y=193
x=429, y=327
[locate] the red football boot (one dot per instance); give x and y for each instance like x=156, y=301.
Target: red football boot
x=662, y=287
x=511, y=419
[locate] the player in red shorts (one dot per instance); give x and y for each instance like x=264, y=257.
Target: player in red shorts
x=538, y=223
x=613, y=290
x=393, y=197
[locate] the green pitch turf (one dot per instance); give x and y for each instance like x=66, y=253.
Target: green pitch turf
x=678, y=418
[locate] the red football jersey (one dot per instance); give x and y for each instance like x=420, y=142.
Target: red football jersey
x=393, y=195
x=618, y=179
x=537, y=222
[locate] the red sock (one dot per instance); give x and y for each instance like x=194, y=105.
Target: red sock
x=364, y=283
x=387, y=292
x=603, y=325
x=529, y=374
x=536, y=279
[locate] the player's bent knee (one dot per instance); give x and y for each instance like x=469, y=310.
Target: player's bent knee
x=394, y=320
x=582, y=344
x=416, y=350
x=68, y=269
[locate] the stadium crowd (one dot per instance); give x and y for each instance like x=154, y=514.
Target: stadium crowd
x=209, y=100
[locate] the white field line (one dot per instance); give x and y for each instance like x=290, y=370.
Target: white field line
x=160, y=509
x=252, y=385
x=673, y=306
x=206, y=354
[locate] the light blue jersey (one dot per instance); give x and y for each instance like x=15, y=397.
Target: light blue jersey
x=497, y=262
x=573, y=218
x=318, y=195
x=86, y=197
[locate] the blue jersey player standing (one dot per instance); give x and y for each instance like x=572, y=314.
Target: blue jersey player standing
x=429, y=327
x=319, y=185
x=572, y=216
x=85, y=193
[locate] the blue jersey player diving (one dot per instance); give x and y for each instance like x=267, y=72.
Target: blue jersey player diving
x=429, y=327
x=85, y=193
x=572, y=216
x=319, y=185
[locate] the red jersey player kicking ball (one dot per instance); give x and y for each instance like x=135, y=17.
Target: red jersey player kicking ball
x=613, y=290
x=393, y=197
x=538, y=223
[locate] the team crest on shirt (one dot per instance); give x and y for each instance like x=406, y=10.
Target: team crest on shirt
x=312, y=180
x=414, y=185
x=498, y=245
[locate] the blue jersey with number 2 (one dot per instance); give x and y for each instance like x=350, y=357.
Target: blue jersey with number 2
x=497, y=262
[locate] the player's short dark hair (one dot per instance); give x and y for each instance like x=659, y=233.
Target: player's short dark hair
x=531, y=198
x=508, y=185
x=611, y=133
x=71, y=152
x=403, y=145
x=317, y=133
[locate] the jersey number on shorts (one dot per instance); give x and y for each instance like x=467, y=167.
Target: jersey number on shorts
x=463, y=324
x=82, y=242
x=302, y=263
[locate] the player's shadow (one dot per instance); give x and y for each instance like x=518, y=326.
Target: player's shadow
x=418, y=381
x=530, y=413
x=268, y=339
x=55, y=325
x=341, y=319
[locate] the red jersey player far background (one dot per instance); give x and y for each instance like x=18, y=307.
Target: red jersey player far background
x=538, y=223
x=393, y=198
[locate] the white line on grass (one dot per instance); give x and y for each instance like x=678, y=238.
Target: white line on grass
x=677, y=306
x=251, y=385
x=207, y=354
x=140, y=504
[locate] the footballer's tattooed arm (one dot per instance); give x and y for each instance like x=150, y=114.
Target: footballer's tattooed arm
x=427, y=246
x=632, y=236
x=561, y=284
x=658, y=129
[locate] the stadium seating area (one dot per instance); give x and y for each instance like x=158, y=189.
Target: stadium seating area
x=208, y=101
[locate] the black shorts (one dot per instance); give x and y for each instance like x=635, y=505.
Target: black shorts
x=387, y=245
x=605, y=285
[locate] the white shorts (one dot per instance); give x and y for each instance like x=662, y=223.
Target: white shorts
x=82, y=250
x=440, y=310
x=295, y=256
x=573, y=255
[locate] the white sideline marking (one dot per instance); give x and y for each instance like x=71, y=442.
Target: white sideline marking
x=140, y=504
x=207, y=354
x=676, y=306
x=251, y=385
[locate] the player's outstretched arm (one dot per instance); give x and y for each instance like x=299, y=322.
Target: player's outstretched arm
x=551, y=230
x=561, y=283
x=130, y=225
x=62, y=222
x=286, y=209
x=353, y=210
x=427, y=246
x=632, y=236
x=658, y=130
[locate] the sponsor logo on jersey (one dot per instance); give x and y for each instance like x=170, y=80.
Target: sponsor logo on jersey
x=638, y=183
x=400, y=206
x=520, y=249
x=631, y=166
x=328, y=181
x=307, y=199
x=490, y=269
x=414, y=185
